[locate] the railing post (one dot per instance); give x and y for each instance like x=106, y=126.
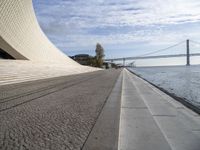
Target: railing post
x=188, y=52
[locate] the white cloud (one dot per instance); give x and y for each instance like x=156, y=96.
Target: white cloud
x=69, y=23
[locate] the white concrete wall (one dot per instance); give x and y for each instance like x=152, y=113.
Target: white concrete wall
x=22, y=37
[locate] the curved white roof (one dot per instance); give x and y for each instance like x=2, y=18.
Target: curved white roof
x=22, y=37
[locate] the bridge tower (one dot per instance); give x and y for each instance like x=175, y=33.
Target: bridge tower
x=188, y=52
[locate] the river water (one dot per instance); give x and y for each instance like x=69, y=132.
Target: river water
x=183, y=81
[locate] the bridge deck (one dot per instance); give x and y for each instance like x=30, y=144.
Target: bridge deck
x=152, y=57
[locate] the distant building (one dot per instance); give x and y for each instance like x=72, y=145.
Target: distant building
x=83, y=59
x=108, y=65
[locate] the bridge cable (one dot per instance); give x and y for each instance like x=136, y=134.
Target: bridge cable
x=164, y=49
x=195, y=42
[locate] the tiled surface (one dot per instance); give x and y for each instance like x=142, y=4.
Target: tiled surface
x=22, y=37
x=16, y=71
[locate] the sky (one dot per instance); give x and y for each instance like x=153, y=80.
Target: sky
x=123, y=27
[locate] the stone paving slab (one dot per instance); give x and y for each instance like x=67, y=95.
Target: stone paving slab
x=179, y=136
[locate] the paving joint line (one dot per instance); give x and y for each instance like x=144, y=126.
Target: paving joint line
x=100, y=111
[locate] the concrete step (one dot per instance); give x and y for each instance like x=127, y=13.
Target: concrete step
x=17, y=71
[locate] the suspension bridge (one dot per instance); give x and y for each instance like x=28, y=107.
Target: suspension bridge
x=150, y=55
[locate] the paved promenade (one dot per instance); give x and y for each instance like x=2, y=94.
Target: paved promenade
x=54, y=113
x=103, y=110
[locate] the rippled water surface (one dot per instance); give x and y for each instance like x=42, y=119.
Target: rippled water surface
x=183, y=81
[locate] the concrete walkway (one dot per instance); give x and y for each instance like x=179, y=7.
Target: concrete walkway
x=53, y=114
x=151, y=120
x=82, y=112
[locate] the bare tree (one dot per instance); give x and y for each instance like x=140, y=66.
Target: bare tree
x=99, y=55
